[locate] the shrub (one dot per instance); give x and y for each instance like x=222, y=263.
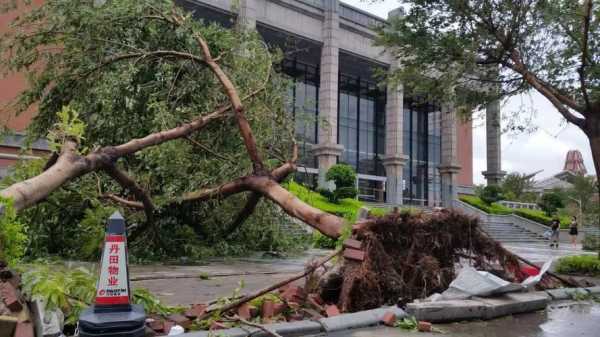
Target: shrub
x=12, y=233
x=541, y=217
x=491, y=209
x=550, y=203
x=582, y=264
x=344, y=177
x=346, y=208
x=491, y=194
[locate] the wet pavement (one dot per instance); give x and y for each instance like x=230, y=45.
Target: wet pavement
x=184, y=285
x=567, y=319
x=538, y=253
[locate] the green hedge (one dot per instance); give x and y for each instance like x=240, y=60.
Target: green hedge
x=541, y=217
x=491, y=209
x=582, y=264
x=531, y=214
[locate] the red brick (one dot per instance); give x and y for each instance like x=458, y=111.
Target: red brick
x=195, y=311
x=312, y=313
x=352, y=243
x=389, y=318
x=315, y=302
x=244, y=311
x=278, y=308
x=167, y=326
x=268, y=309
x=296, y=317
x=332, y=310
x=354, y=254
x=157, y=325
x=360, y=226
x=180, y=319
x=424, y=326
x=24, y=329
x=293, y=294
x=217, y=326
x=10, y=297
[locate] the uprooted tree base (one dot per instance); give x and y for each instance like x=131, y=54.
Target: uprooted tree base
x=409, y=256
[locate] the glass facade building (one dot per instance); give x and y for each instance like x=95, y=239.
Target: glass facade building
x=422, y=145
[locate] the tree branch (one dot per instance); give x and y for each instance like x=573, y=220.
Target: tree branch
x=128, y=183
x=123, y=201
x=243, y=215
x=587, y=10
x=236, y=102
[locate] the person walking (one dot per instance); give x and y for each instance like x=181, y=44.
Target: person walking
x=554, y=237
x=573, y=231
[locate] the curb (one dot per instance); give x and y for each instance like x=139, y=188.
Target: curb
x=435, y=312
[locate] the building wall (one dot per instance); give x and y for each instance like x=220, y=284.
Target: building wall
x=352, y=39
x=465, y=153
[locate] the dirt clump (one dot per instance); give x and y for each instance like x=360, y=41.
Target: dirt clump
x=413, y=255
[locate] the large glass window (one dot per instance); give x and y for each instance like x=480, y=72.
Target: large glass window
x=422, y=145
x=303, y=103
x=361, y=124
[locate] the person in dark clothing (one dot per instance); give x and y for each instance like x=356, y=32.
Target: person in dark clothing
x=555, y=227
x=573, y=231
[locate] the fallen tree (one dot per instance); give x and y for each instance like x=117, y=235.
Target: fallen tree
x=406, y=257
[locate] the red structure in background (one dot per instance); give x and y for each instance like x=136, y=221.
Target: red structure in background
x=574, y=163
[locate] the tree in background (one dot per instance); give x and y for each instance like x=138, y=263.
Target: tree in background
x=344, y=177
x=515, y=187
x=451, y=49
x=584, y=189
x=179, y=123
x=491, y=194
x=550, y=203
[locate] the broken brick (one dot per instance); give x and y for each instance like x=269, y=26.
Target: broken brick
x=156, y=325
x=424, y=326
x=315, y=301
x=180, y=319
x=352, y=243
x=389, y=318
x=278, y=308
x=268, y=309
x=332, y=310
x=354, y=254
x=313, y=313
x=217, y=326
x=293, y=294
x=24, y=329
x=167, y=325
x=196, y=310
x=244, y=311
x=10, y=297
x=296, y=317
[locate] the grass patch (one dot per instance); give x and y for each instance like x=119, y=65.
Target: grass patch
x=541, y=217
x=347, y=208
x=581, y=264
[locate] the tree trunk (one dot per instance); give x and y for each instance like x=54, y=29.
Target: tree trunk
x=328, y=224
x=594, y=137
x=27, y=193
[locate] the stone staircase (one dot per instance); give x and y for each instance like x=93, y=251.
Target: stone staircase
x=507, y=232
x=509, y=229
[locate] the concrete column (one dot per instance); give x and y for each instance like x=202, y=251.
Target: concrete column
x=494, y=173
x=449, y=167
x=394, y=159
x=247, y=14
x=327, y=150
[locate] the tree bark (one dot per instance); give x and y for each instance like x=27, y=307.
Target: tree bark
x=326, y=223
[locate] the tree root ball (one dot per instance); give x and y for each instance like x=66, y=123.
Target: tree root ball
x=413, y=255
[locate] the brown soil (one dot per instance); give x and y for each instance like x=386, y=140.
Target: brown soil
x=411, y=256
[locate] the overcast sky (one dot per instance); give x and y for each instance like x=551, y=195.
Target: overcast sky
x=542, y=149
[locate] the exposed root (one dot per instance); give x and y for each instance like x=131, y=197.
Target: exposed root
x=409, y=256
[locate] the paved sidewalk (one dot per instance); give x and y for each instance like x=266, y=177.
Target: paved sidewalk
x=183, y=285
x=540, y=253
